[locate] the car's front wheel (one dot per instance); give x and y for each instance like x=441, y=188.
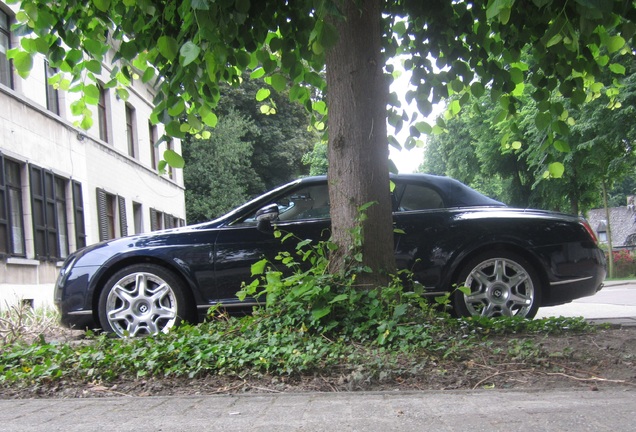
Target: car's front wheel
x=501, y=284
x=142, y=299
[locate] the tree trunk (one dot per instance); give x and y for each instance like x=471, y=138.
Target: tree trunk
x=610, y=247
x=357, y=93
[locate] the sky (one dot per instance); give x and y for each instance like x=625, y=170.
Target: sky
x=408, y=161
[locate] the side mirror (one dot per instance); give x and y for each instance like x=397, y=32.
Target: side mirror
x=265, y=216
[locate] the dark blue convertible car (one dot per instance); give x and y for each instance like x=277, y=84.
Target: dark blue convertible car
x=513, y=260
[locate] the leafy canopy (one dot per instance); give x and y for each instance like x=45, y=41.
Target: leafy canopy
x=462, y=48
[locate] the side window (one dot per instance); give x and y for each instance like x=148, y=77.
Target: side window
x=308, y=203
x=419, y=197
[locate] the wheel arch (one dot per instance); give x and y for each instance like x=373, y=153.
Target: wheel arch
x=111, y=269
x=535, y=261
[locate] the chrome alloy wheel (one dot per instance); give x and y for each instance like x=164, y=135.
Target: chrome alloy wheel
x=141, y=303
x=500, y=287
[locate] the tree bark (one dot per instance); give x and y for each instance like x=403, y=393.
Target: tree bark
x=610, y=246
x=357, y=92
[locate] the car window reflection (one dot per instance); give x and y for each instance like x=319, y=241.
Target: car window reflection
x=311, y=202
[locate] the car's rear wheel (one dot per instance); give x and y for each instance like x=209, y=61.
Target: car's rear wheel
x=142, y=299
x=501, y=283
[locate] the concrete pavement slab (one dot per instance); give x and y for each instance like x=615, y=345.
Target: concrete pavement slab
x=493, y=410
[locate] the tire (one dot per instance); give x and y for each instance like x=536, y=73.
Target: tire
x=142, y=299
x=501, y=283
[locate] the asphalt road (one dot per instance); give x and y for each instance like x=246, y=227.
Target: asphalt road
x=615, y=303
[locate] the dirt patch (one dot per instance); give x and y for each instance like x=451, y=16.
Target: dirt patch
x=605, y=358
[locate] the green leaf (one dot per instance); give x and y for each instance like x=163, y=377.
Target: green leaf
x=339, y=298
x=257, y=73
x=399, y=28
x=168, y=47
x=278, y=82
x=400, y=310
x=615, y=43
x=320, y=107
x=328, y=35
x=617, y=68
x=123, y=94
x=23, y=62
x=424, y=127
x=209, y=118
x=554, y=40
x=243, y=6
x=319, y=313
x=477, y=89
x=561, y=146
x=173, y=159
x=190, y=52
x=543, y=120
x=91, y=91
x=93, y=66
x=258, y=268
x=516, y=75
x=556, y=169
x=174, y=129
x=102, y=5
x=262, y=94
x=177, y=108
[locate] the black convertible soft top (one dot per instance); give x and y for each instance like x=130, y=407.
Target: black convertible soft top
x=456, y=194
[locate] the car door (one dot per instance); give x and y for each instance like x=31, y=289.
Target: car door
x=303, y=212
x=421, y=221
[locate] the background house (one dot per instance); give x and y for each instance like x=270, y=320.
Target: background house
x=622, y=223
x=61, y=187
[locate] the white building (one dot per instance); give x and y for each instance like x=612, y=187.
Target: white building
x=61, y=187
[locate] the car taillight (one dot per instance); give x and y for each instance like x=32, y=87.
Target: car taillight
x=589, y=230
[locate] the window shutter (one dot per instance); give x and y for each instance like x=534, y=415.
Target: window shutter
x=50, y=216
x=101, y=214
x=153, y=220
x=4, y=218
x=38, y=207
x=78, y=213
x=123, y=224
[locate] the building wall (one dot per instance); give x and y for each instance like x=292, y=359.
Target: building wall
x=33, y=136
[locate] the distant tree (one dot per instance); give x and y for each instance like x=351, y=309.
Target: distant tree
x=218, y=174
x=281, y=134
x=317, y=159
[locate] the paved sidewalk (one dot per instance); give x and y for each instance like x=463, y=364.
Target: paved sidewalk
x=495, y=410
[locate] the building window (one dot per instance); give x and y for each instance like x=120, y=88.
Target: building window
x=102, y=114
x=131, y=131
x=6, y=77
x=156, y=220
x=111, y=213
x=154, y=151
x=160, y=220
x=11, y=220
x=171, y=171
x=62, y=222
x=138, y=218
x=50, y=220
x=52, y=97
